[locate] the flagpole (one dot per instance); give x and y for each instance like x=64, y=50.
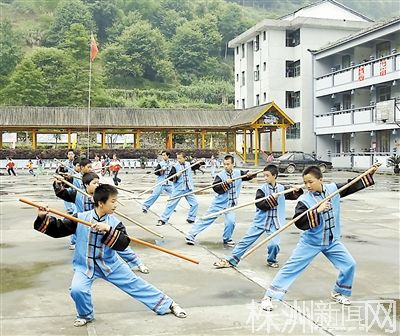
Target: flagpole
x=90, y=86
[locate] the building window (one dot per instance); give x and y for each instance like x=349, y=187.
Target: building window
x=242, y=50
x=257, y=73
x=243, y=104
x=292, y=99
x=264, y=35
x=292, y=38
x=346, y=59
x=243, y=79
x=237, y=50
x=237, y=77
x=265, y=66
x=257, y=43
x=265, y=96
x=293, y=68
x=293, y=132
x=383, y=93
x=257, y=100
x=382, y=49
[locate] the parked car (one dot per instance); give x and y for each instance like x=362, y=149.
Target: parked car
x=292, y=161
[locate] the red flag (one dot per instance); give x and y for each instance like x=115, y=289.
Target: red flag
x=93, y=49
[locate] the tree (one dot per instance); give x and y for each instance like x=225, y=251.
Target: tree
x=76, y=42
x=104, y=13
x=139, y=51
x=68, y=12
x=54, y=65
x=10, y=50
x=26, y=87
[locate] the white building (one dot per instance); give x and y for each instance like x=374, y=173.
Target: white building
x=272, y=63
x=357, y=97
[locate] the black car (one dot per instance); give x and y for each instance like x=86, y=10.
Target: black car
x=292, y=161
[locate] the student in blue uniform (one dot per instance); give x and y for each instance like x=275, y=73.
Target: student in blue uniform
x=182, y=184
x=90, y=182
x=321, y=234
x=269, y=217
x=96, y=257
x=226, y=197
x=162, y=171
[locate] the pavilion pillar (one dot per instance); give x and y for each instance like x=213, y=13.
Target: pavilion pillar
x=34, y=139
x=227, y=142
x=256, y=146
x=69, y=139
x=170, y=139
x=137, y=139
x=244, y=145
x=270, y=141
x=203, y=139
x=197, y=140
x=234, y=141
x=283, y=144
x=1, y=139
x=103, y=139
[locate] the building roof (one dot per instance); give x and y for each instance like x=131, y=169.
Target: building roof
x=130, y=118
x=378, y=26
x=336, y=3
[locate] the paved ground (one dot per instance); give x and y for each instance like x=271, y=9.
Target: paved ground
x=36, y=271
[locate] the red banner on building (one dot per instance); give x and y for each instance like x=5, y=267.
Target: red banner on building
x=361, y=73
x=382, y=69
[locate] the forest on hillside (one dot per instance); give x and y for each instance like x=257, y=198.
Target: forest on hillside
x=152, y=53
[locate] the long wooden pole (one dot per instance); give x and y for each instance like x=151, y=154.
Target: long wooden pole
x=294, y=220
x=135, y=240
x=117, y=212
x=211, y=186
x=215, y=214
x=168, y=178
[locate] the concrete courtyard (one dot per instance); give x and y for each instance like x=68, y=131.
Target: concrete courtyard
x=36, y=270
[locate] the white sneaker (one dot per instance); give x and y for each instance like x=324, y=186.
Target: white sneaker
x=266, y=304
x=340, y=298
x=71, y=247
x=143, y=269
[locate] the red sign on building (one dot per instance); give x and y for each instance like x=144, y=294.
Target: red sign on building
x=382, y=71
x=361, y=73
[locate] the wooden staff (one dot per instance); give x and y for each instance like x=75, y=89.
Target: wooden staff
x=215, y=214
x=168, y=178
x=283, y=228
x=211, y=186
x=117, y=212
x=135, y=240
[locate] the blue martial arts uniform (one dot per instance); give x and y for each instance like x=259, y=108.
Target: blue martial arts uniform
x=181, y=185
x=84, y=203
x=162, y=171
x=270, y=215
x=321, y=234
x=226, y=197
x=95, y=257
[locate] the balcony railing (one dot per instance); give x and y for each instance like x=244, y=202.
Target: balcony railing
x=359, y=115
x=358, y=73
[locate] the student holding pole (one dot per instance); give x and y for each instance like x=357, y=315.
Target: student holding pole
x=270, y=215
x=318, y=215
x=227, y=184
x=100, y=237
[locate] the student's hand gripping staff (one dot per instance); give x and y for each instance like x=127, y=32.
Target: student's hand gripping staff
x=43, y=210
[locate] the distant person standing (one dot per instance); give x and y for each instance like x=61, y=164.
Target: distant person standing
x=30, y=167
x=97, y=165
x=270, y=158
x=213, y=164
x=115, y=167
x=39, y=163
x=10, y=167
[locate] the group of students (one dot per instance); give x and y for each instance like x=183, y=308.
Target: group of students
x=102, y=251
x=321, y=226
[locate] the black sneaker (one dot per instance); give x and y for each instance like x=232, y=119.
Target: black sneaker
x=144, y=210
x=189, y=241
x=190, y=221
x=160, y=222
x=230, y=243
